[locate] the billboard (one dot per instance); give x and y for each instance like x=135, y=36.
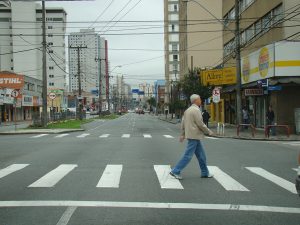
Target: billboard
x=281, y=59
x=11, y=80
x=219, y=77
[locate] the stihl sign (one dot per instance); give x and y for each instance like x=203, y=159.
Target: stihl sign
x=12, y=81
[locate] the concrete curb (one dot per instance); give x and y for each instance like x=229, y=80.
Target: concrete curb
x=40, y=131
x=168, y=121
x=255, y=139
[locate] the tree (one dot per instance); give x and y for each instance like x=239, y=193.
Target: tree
x=151, y=101
x=191, y=84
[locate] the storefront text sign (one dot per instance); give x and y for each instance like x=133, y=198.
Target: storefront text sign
x=254, y=92
x=219, y=77
x=12, y=81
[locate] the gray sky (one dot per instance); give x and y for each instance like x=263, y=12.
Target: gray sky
x=145, y=10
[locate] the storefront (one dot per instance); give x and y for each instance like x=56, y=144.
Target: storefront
x=271, y=77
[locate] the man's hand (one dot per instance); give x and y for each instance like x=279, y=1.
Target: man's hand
x=210, y=133
x=181, y=139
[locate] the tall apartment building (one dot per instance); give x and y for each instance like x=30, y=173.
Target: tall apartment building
x=171, y=39
x=93, y=62
x=200, y=38
x=21, y=41
x=269, y=37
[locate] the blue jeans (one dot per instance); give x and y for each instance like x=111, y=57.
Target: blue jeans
x=193, y=147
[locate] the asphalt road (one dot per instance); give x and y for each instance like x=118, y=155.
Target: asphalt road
x=116, y=172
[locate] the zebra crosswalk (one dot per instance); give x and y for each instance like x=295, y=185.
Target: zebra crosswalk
x=111, y=177
x=102, y=136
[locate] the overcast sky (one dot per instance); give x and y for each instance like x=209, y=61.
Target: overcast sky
x=145, y=10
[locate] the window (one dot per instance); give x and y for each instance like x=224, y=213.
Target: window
x=51, y=76
x=50, y=43
x=257, y=27
x=231, y=14
x=51, y=67
x=50, y=35
x=173, y=27
x=277, y=14
x=50, y=51
x=175, y=57
x=50, y=27
x=11, y=60
x=175, y=8
x=249, y=33
x=11, y=68
x=51, y=83
x=174, y=47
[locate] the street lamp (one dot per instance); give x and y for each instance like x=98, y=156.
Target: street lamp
x=237, y=51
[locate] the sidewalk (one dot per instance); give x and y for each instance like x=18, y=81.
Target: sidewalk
x=9, y=129
x=231, y=132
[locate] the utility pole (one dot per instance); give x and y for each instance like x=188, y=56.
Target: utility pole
x=44, y=91
x=238, y=64
x=100, y=85
x=78, y=48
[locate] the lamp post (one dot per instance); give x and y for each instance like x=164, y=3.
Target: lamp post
x=237, y=51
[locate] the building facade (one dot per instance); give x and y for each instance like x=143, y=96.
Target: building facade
x=268, y=30
x=200, y=38
x=171, y=39
x=93, y=59
x=21, y=38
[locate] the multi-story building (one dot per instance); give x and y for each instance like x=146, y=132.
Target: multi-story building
x=21, y=41
x=200, y=37
x=171, y=39
x=269, y=38
x=159, y=94
x=93, y=62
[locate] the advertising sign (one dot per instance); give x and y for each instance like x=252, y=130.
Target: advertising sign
x=216, y=95
x=254, y=92
x=135, y=91
x=219, y=77
x=27, y=100
x=11, y=80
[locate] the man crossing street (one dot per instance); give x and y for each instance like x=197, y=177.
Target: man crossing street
x=193, y=129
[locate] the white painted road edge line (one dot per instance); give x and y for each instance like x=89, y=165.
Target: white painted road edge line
x=83, y=135
x=168, y=136
x=147, y=136
x=150, y=205
x=111, y=177
x=126, y=136
x=65, y=218
x=225, y=180
x=274, y=179
x=61, y=135
x=54, y=176
x=166, y=181
x=11, y=169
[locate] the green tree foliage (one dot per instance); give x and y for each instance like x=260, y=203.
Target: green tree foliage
x=151, y=101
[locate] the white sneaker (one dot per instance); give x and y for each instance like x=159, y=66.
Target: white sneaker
x=178, y=177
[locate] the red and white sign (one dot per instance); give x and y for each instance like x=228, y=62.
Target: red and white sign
x=216, y=95
x=52, y=95
x=15, y=93
x=11, y=80
x=254, y=92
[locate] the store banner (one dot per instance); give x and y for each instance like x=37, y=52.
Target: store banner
x=27, y=100
x=11, y=80
x=224, y=76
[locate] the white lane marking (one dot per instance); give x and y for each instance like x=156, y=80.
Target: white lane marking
x=147, y=136
x=166, y=181
x=54, y=176
x=111, y=177
x=104, y=136
x=40, y=135
x=11, y=169
x=291, y=143
x=83, y=135
x=168, y=136
x=273, y=178
x=126, y=136
x=225, y=180
x=151, y=205
x=213, y=138
x=62, y=135
x=295, y=169
x=65, y=218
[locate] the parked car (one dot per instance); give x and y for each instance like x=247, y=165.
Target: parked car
x=298, y=176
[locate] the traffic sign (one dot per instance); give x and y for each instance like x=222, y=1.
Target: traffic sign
x=52, y=95
x=14, y=93
x=216, y=95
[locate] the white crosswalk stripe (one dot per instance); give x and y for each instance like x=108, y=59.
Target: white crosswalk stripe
x=166, y=181
x=213, y=138
x=292, y=143
x=147, y=135
x=168, y=136
x=54, y=176
x=62, y=135
x=126, y=136
x=225, y=180
x=295, y=169
x=110, y=177
x=40, y=135
x=104, y=136
x=83, y=135
x=11, y=169
x=274, y=179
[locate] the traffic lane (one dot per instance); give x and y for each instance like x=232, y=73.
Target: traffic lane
x=138, y=180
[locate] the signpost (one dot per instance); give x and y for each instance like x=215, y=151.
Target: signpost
x=52, y=96
x=15, y=93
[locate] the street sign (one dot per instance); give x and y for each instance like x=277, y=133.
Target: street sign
x=135, y=91
x=275, y=88
x=14, y=93
x=216, y=95
x=52, y=95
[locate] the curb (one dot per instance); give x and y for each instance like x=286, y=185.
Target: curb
x=41, y=132
x=254, y=139
x=168, y=121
